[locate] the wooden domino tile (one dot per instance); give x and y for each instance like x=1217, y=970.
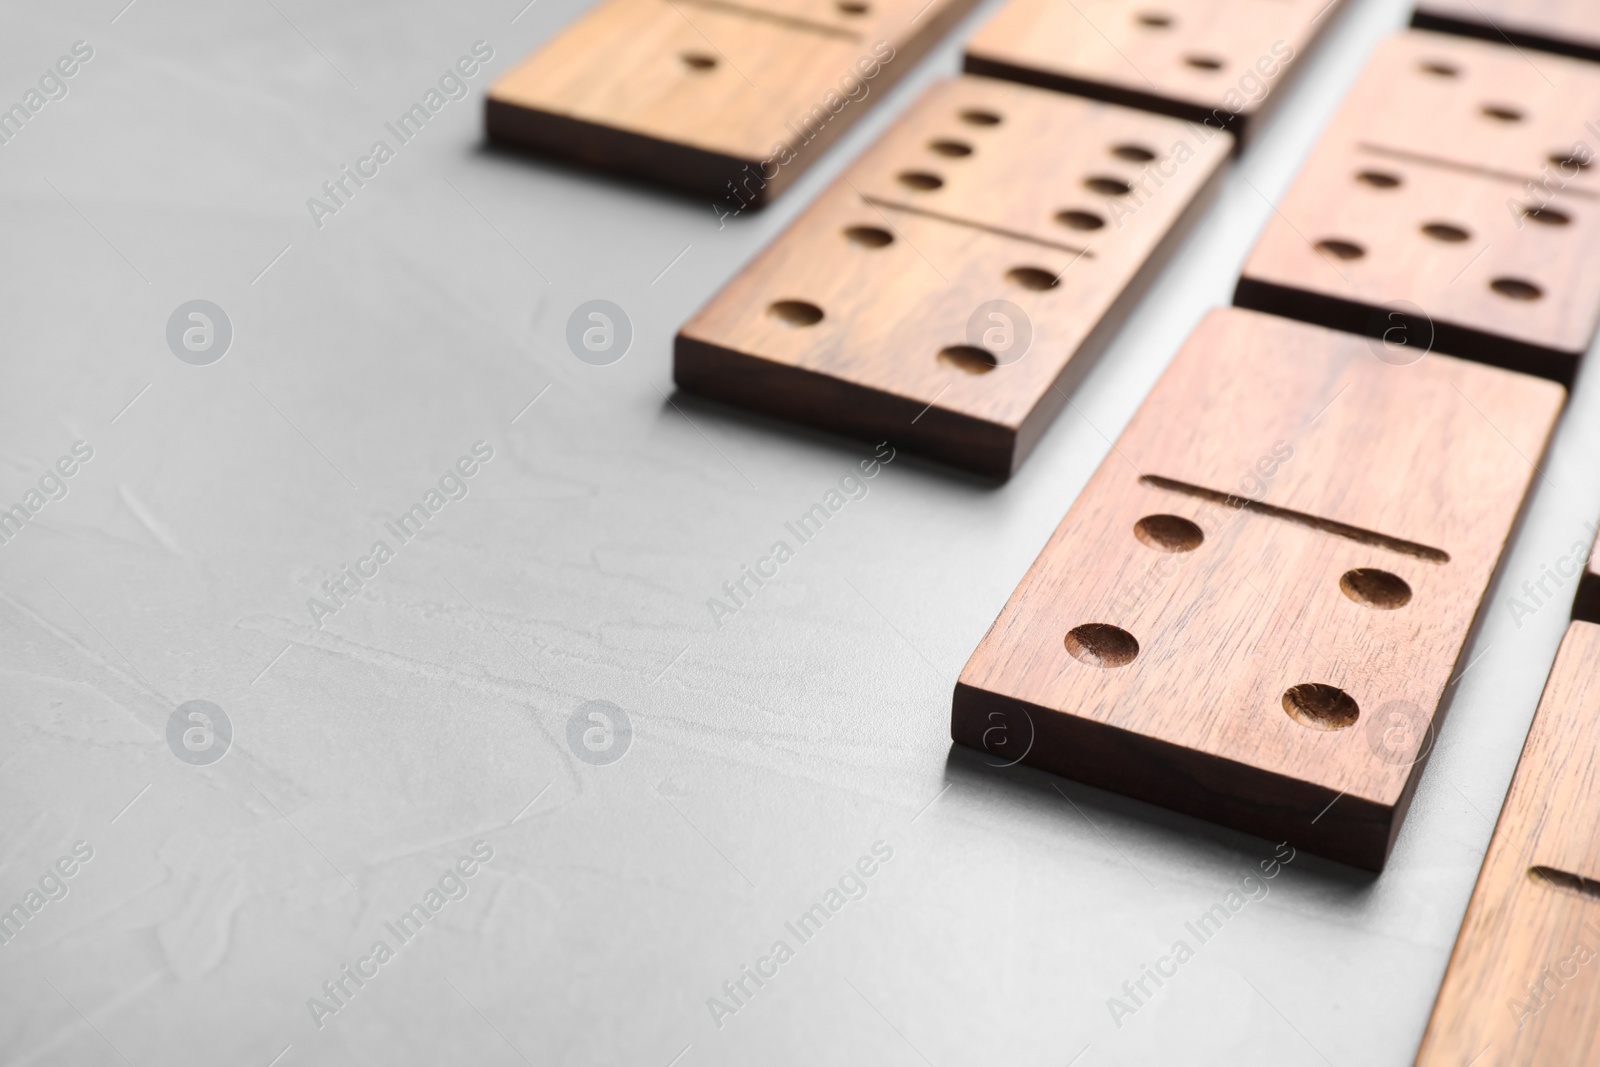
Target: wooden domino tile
x=1523, y=985
x=1566, y=27
x=953, y=285
x=1214, y=61
x=730, y=100
x=1452, y=203
x=1283, y=555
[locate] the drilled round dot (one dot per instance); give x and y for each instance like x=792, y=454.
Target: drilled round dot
x=1444, y=231
x=921, y=180
x=869, y=236
x=1154, y=20
x=698, y=61
x=968, y=358
x=1133, y=153
x=1032, y=278
x=1375, y=588
x=1205, y=63
x=1439, y=68
x=980, y=117
x=1501, y=113
x=1108, y=186
x=1547, y=215
x=1321, y=707
x=952, y=149
x=796, y=312
x=1168, y=533
x=1100, y=644
x=1516, y=288
x=1080, y=220
x=1340, y=249
x=1379, y=179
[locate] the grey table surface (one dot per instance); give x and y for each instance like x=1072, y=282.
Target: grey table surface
x=375, y=747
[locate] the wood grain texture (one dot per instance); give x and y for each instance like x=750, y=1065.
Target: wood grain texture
x=1356, y=467
x=1566, y=27
x=990, y=230
x=1523, y=985
x=1436, y=209
x=1219, y=62
x=1425, y=95
x=730, y=100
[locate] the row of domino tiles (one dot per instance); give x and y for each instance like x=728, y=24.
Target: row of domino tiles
x=1357, y=436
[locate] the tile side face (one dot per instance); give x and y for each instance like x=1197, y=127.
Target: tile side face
x=1286, y=551
x=1566, y=27
x=950, y=288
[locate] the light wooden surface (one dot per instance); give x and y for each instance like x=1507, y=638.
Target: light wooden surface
x=695, y=94
x=1523, y=984
x=1568, y=27
x=1413, y=213
x=1367, y=467
x=1214, y=61
x=871, y=367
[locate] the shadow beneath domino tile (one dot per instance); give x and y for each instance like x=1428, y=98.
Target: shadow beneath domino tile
x=1136, y=827
x=848, y=450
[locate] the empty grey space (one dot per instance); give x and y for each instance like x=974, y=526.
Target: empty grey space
x=375, y=746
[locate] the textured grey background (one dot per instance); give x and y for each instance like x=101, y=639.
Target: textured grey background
x=767, y=755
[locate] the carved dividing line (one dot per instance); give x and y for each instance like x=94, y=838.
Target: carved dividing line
x=1338, y=529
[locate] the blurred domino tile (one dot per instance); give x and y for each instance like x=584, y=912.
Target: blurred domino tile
x=728, y=100
x=1220, y=62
